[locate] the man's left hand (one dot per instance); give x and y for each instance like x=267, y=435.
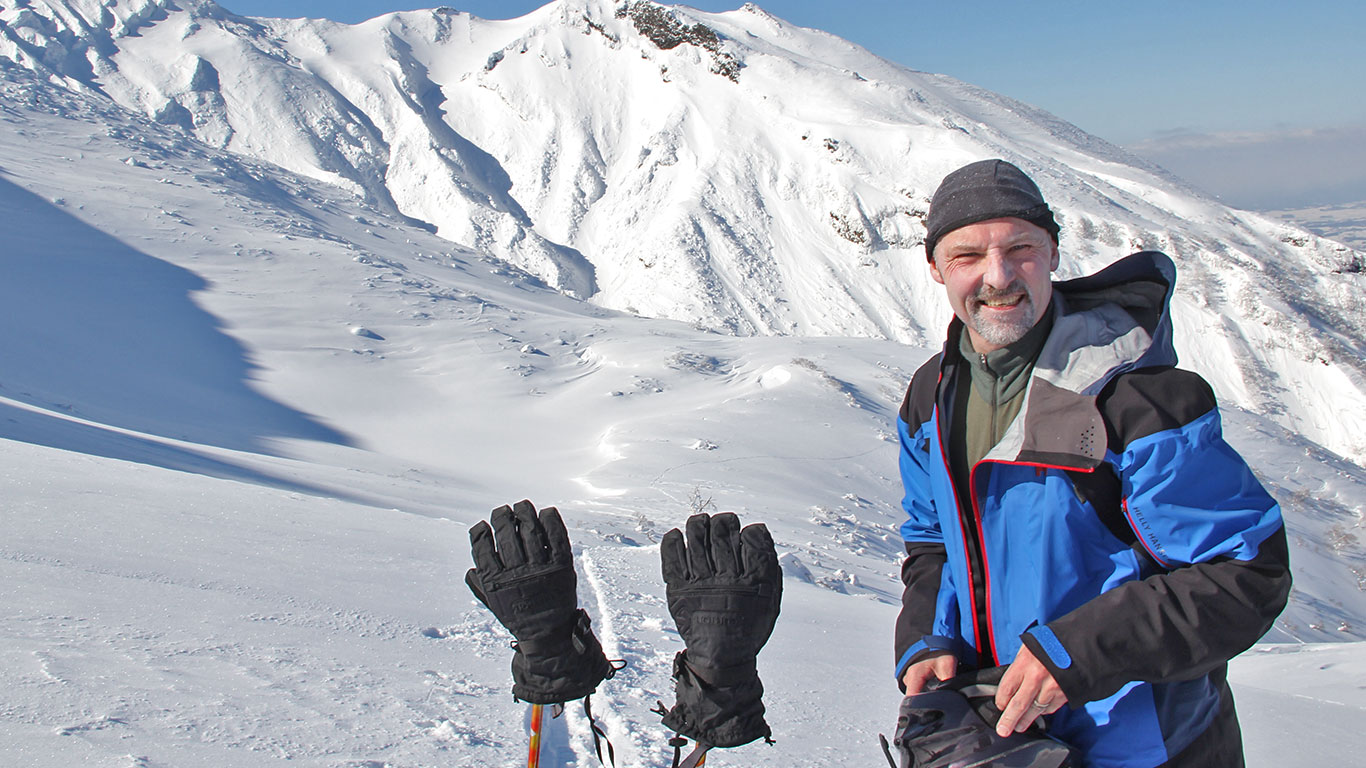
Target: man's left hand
x=1027, y=692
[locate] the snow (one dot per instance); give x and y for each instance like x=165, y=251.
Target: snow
x=248, y=416
x=1301, y=704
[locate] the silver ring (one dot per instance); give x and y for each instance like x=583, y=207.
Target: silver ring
x=1040, y=705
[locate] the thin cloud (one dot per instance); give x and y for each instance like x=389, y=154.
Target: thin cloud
x=1270, y=169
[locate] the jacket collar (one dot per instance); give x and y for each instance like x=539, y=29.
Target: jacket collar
x=1114, y=321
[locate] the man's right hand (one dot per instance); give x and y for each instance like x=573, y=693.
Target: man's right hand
x=940, y=665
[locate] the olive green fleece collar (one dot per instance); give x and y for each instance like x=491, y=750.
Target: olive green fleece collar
x=1001, y=375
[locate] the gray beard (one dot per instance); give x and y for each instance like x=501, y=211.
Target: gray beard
x=995, y=332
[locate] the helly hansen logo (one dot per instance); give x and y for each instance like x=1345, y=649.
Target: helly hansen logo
x=1145, y=529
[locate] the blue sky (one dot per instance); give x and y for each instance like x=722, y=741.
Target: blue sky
x=1138, y=74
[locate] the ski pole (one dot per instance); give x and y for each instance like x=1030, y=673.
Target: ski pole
x=533, y=759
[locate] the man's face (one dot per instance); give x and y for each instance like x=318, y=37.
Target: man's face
x=996, y=273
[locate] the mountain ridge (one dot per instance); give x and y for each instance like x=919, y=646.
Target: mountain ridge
x=783, y=194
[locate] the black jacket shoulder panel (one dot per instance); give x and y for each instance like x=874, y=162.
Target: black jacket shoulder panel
x=918, y=405
x=1151, y=400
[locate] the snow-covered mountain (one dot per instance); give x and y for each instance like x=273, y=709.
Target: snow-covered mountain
x=247, y=416
x=730, y=170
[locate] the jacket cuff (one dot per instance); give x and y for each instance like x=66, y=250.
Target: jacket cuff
x=927, y=645
x=1049, y=650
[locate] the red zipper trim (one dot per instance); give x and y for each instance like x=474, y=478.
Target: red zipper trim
x=953, y=489
x=982, y=539
x=1124, y=505
x=967, y=551
x=1043, y=466
x=986, y=566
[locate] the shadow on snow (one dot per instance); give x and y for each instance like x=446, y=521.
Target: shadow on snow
x=96, y=329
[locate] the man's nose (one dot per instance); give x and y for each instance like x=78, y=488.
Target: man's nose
x=1000, y=272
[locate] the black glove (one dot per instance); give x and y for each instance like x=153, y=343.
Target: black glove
x=524, y=572
x=723, y=589
x=954, y=724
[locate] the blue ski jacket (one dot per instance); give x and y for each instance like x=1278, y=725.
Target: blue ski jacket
x=1112, y=530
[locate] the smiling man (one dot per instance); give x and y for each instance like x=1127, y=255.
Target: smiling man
x=1073, y=511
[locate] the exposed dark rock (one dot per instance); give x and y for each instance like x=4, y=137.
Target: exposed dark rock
x=660, y=26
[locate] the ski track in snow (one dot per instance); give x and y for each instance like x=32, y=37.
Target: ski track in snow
x=620, y=625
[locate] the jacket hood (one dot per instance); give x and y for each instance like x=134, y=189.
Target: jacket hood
x=1114, y=321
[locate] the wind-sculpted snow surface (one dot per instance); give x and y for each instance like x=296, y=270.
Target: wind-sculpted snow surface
x=729, y=170
x=268, y=570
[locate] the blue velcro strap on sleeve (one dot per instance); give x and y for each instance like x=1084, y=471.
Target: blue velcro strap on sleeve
x=927, y=643
x=1051, y=645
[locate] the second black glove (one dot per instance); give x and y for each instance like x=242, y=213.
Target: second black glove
x=724, y=587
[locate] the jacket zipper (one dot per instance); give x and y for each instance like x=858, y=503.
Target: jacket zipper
x=975, y=557
x=973, y=553
x=987, y=639
x=980, y=538
x=977, y=517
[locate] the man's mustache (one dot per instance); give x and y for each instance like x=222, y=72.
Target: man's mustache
x=987, y=293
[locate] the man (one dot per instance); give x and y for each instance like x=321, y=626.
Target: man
x=1073, y=510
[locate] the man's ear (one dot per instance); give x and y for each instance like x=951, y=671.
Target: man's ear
x=1053, y=264
x=939, y=278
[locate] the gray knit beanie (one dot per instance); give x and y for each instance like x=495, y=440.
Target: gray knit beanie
x=986, y=189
